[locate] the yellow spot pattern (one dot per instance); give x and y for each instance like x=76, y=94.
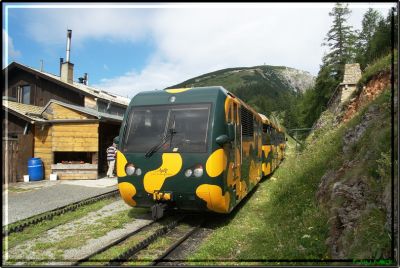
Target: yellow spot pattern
x=253, y=176
x=229, y=175
x=241, y=189
x=177, y=90
x=212, y=194
x=216, y=163
x=228, y=104
x=121, y=162
x=266, y=168
x=266, y=150
x=171, y=165
x=127, y=192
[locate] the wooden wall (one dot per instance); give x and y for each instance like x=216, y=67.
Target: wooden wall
x=14, y=125
x=42, y=90
x=43, y=147
x=57, y=111
x=75, y=137
x=65, y=137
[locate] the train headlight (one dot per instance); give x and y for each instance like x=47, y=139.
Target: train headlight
x=138, y=172
x=188, y=173
x=198, y=171
x=130, y=169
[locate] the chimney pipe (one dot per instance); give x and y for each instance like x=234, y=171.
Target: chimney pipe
x=85, y=78
x=67, y=68
x=61, y=62
x=69, y=34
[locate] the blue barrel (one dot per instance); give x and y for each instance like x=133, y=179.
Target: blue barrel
x=35, y=169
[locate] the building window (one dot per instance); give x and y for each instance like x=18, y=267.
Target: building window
x=24, y=94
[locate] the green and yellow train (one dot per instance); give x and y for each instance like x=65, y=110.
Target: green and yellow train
x=197, y=149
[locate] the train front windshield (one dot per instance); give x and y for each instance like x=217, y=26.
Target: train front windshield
x=171, y=128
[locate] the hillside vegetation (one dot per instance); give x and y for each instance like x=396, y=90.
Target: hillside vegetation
x=330, y=201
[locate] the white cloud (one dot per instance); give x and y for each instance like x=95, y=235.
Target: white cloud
x=192, y=41
x=12, y=52
x=157, y=75
x=96, y=23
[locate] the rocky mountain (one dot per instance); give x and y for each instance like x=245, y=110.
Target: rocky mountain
x=275, y=76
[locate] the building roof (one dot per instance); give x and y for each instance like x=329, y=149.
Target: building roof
x=34, y=114
x=27, y=112
x=86, y=110
x=79, y=87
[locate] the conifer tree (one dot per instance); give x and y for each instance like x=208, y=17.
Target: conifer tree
x=370, y=23
x=341, y=41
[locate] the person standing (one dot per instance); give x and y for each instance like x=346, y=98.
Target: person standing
x=111, y=153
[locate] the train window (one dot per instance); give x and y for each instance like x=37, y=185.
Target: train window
x=147, y=125
x=266, y=137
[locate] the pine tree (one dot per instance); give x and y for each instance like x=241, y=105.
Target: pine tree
x=370, y=23
x=341, y=41
x=380, y=43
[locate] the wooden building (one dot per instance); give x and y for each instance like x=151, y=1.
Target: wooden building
x=58, y=120
x=17, y=144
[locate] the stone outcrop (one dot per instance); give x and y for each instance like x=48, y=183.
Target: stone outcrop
x=369, y=93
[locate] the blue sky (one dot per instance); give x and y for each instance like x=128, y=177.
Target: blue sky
x=128, y=48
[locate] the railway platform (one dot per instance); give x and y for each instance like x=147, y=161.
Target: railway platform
x=25, y=199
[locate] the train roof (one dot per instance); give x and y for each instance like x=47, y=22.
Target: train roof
x=208, y=91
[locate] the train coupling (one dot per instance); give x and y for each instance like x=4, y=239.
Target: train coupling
x=157, y=210
x=162, y=199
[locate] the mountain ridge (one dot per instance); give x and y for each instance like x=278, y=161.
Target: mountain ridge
x=235, y=77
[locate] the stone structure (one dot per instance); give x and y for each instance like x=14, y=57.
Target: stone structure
x=352, y=73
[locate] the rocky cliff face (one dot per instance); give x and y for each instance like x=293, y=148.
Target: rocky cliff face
x=358, y=193
x=299, y=80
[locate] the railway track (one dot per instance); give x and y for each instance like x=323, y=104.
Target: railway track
x=164, y=257
x=48, y=215
x=150, y=235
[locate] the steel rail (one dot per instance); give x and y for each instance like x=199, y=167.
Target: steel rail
x=123, y=257
x=118, y=241
x=175, y=245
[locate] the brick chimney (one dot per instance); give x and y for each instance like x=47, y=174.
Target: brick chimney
x=67, y=68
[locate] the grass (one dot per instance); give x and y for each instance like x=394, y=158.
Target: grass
x=77, y=238
x=104, y=257
x=18, y=189
x=96, y=230
x=381, y=65
x=370, y=239
x=283, y=221
x=155, y=249
x=34, y=231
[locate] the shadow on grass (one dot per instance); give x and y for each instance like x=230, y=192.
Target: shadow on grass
x=140, y=213
x=215, y=220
